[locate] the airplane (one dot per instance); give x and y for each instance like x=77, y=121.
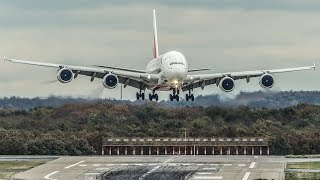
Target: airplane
x=166, y=72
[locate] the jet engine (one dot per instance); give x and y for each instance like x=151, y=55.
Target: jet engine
x=65, y=75
x=226, y=84
x=110, y=81
x=266, y=81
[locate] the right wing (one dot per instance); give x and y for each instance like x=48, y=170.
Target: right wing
x=137, y=79
x=201, y=80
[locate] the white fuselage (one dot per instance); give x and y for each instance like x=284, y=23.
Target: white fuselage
x=172, y=68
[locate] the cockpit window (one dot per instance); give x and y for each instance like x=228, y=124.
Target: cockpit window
x=172, y=63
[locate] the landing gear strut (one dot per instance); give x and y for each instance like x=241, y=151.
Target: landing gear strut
x=153, y=96
x=174, y=95
x=140, y=94
x=189, y=96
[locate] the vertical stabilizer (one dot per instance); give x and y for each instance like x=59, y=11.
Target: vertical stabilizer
x=155, y=35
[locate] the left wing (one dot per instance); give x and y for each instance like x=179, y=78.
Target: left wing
x=127, y=77
x=201, y=80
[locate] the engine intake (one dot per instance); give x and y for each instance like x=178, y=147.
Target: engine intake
x=65, y=75
x=110, y=81
x=226, y=84
x=266, y=81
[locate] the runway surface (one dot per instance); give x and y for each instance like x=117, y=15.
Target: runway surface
x=159, y=167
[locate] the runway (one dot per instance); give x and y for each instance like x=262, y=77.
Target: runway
x=159, y=167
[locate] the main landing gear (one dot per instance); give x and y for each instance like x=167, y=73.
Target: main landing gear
x=174, y=95
x=153, y=96
x=140, y=94
x=189, y=96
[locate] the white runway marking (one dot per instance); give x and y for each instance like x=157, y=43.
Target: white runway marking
x=124, y=164
x=213, y=164
x=172, y=164
x=82, y=165
x=246, y=176
x=74, y=164
x=152, y=164
x=90, y=174
x=168, y=160
x=200, y=164
x=149, y=172
x=96, y=165
x=241, y=165
x=102, y=169
x=185, y=164
x=252, y=165
x=207, y=177
x=227, y=165
x=110, y=164
x=209, y=168
x=138, y=164
x=48, y=175
x=204, y=173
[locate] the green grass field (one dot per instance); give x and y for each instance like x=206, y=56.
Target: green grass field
x=9, y=168
x=304, y=165
x=301, y=175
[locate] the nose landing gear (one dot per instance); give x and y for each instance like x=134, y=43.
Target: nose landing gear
x=189, y=96
x=153, y=96
x=174, y=95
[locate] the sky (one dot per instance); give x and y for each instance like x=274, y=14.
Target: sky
x=226, y=36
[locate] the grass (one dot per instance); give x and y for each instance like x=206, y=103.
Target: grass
x=9, y=168
x=298, y=175
x=304, y=156
x=304, y=165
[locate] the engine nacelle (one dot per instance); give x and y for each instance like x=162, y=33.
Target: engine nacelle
x=266, y=81
x=226, y=84
x=65, y=75
x=110, y=81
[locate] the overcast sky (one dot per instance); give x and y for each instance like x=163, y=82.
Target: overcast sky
x=228, y=35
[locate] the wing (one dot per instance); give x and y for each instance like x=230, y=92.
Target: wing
x=137, y=79
x=201, y=80
x=196, y=70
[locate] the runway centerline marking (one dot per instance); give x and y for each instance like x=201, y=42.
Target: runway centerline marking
x=96, y=165
x=82, y=165
x=252, y=165
x=241, y=165
x=227, y=165
x=48, y=175
x=204, y=173
x=74, y=164
x=246, y=176
x=149, y=172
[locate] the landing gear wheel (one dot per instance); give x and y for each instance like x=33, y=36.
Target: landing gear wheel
x=142, y=96
x=171, y=97
x=156, y=97
x=192, y=97
x=187, y=97
x=150, y=97
x=138, y=96
x=177, y=97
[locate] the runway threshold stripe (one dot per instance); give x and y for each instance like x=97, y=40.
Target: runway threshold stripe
x=74, y=164
x=246, y=176
x=252, y=165
x=207, y=177
x=48, y=175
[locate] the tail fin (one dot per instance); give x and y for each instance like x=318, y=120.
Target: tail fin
x=155, y=36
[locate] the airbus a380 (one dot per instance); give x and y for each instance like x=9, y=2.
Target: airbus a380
x=166, y=72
